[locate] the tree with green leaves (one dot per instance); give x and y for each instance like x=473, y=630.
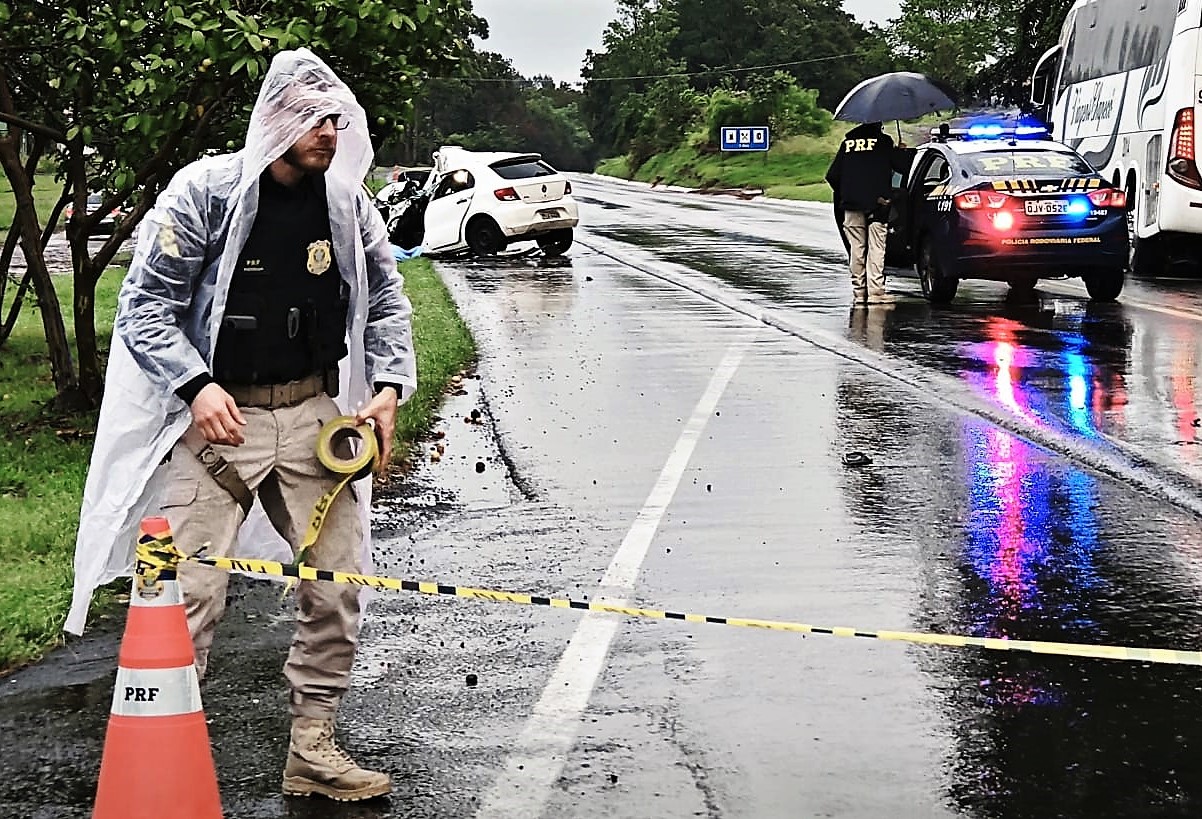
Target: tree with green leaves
x=487, y=105
x=950, y=40
x=120, y=95
x=774, y=100
x=1028, y=29
x=635, y=93
x=816, y=41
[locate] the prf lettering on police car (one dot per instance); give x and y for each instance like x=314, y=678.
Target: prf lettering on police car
x=139, y=694
x=857, y=145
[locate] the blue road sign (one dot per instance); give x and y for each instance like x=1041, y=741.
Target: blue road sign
x=745, y=138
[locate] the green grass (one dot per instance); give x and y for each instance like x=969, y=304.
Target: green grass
x=444, y=346
x=794, y=168
x=44, y=459
x=45, y=195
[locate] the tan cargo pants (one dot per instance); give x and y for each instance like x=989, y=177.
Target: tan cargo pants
x=867, y=262
x=278, y=462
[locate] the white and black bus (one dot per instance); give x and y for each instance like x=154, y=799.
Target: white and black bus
x=1124, y=88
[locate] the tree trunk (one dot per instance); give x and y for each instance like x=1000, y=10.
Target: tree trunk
x=91, y=377
x=62, y=368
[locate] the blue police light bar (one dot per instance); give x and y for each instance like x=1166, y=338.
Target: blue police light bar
x=992, y=130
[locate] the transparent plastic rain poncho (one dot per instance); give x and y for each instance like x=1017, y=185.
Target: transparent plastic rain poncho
x=173, y=302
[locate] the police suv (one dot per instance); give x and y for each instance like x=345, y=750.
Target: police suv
x=1007, y=203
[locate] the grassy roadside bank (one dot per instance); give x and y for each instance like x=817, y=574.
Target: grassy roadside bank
x=43, y=460
x=794, y=168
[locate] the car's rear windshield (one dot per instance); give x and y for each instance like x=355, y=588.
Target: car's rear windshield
x=522, y=168
x=1037, y=164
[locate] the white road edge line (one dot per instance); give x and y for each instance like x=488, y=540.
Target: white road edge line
x=1074, y=289
x=540, y=751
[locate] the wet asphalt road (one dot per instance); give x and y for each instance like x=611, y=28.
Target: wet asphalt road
x=664, y=417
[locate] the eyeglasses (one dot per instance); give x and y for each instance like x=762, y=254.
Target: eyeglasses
x=336, y=120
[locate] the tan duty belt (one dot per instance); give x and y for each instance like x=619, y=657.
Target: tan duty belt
x=275, y=396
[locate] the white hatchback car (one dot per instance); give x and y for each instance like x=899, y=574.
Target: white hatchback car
x=483, y=201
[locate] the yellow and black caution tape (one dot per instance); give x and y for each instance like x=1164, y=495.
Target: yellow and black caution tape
x=161, y=554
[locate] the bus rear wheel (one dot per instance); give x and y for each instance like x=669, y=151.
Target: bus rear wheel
x=1146, y=256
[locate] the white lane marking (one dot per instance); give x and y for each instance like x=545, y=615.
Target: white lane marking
x=540, y=751
x=1074, y=289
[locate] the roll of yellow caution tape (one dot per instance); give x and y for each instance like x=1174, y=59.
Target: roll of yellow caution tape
x=337, y=432
x=334, y=436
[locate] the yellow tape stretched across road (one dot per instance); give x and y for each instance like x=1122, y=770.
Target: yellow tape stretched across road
x=158, y=555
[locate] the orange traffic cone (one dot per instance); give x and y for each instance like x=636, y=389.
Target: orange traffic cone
x=157, y=763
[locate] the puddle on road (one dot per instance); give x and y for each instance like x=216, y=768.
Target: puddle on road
x=1012, y=541
x=601, y=203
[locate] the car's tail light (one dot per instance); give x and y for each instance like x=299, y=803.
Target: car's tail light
x=1182, y=158
x=978, y=200
x=1003, y=220
x=1109, y=198
x=506, y=194
x=567, y=188
x=970, y=200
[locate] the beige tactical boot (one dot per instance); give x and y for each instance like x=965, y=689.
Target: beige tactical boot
x=317, y=765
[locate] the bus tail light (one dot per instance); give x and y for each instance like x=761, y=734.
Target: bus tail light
x=1183, y=166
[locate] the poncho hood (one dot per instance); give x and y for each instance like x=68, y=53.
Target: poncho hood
x=298, y=91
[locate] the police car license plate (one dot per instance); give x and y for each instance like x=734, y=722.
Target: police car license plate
x=549, y=213
x=1046, y=207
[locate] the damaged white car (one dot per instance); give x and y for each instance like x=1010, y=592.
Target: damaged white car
x=485, y=201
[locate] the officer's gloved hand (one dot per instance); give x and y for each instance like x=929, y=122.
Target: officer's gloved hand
x=881, y=212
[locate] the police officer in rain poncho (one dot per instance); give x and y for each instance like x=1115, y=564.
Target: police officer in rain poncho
x=263, y=286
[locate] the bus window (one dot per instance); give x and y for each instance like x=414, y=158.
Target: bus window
x=1113, y=36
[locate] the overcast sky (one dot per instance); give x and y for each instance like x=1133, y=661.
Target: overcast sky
x=551, y=36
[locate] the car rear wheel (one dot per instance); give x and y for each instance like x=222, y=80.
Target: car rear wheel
x=1022, y=289
x=556, y=242
x=484, y=237
x=1105, y=285
x=936, y=287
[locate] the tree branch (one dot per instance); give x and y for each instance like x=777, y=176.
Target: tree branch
x=33, y=127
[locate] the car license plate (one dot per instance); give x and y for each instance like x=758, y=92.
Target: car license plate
x=1046, y=207
x=549, y=213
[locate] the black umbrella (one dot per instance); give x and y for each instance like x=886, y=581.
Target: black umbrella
x=898, y=95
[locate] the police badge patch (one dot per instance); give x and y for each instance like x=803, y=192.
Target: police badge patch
x=319, y=257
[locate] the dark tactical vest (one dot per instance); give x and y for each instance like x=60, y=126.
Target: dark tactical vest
x=285, y=317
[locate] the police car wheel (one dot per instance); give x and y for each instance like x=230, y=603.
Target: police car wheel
x=484, y=237
x=936, y=287
x=1104, y=285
